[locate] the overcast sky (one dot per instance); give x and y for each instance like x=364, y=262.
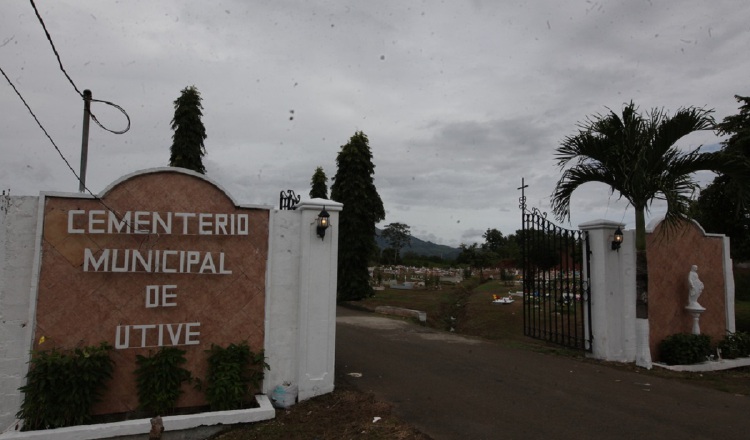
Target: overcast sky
x=460, y=99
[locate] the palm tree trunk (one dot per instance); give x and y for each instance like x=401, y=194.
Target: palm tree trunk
x=641, y=264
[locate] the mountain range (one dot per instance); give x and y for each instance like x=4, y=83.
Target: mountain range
x=421, y=247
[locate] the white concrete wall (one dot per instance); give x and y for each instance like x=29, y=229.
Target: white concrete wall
x=300, y=299
x=18, y=228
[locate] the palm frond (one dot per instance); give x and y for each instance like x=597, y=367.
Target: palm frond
x=669, y=130
x=636, y=156
x=573, y=178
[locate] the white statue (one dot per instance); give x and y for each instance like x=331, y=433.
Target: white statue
x=695, y=288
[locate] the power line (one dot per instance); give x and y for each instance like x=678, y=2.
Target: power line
x=118, y=108
x=62, y=156
x=31, y=112
x=59, y=61
x=40, y=125
x=56, y=147
x=49, y=38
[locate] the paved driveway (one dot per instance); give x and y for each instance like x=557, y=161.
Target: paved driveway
x=455, y=387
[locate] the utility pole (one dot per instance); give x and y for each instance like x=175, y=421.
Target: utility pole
x=85, y=141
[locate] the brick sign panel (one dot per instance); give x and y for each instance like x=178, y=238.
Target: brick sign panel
x=670, y=258
x=164, y=259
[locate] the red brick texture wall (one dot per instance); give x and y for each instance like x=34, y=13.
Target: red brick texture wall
x=669, y=260
x=77, y=307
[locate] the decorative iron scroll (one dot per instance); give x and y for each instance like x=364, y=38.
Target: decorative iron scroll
x=522, y=199
x=288, y=200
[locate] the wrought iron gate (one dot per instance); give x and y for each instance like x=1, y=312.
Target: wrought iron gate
x=556, y=306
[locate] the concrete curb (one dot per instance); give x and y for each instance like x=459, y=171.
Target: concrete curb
x=141, y=427
x=724, y=364
x=398, y=311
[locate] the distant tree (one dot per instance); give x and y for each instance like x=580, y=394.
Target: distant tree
x=411, y=258
x=507, y=276
x=502, y=246
x=717, y=212
x=542, y=251
x=319, y=184
x=738, y=127
x=722, y=206
x=476, y=256
x=493, y=240
x=466, y=256
x=388, y=256
x=398, y=235
x=511, y=251
x=353, y=186
x=187, y=149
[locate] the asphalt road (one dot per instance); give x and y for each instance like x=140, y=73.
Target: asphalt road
x=455, y=387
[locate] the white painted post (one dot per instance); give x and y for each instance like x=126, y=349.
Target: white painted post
x=612, y=275
x=317, y=299
x=728, y=286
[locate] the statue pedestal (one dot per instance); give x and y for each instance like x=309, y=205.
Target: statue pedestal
x=695, y=310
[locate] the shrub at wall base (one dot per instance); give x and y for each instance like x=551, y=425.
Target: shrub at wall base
x=165, y=258
x=63, y=385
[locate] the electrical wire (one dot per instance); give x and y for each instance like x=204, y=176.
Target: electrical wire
x=118, y=108
x=59, y=61
x=624, y=211
x=62, y=68
x=606, y=211
x=119, y=217
x=49, y=38
x=41, y=126
x=31, y=112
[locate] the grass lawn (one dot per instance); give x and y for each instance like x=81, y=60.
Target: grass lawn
x=492, y=321
x=503, y=322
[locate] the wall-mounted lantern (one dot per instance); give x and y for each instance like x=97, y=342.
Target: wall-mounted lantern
x=617, y=240
x=323, y=223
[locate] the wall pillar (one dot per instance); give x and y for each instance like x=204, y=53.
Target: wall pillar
x=317, y=299
x=18, y=234
x=612, y=275
x=728, y=272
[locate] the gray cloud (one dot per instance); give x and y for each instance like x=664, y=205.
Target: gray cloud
x=460, y=100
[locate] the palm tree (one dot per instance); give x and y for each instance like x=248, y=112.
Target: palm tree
x=636, y=156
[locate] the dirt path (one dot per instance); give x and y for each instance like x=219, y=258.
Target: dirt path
x=455, y=387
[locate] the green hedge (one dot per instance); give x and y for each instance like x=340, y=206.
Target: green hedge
x=685, y=349
x=735, y=345
x=234, y=372
x=61, y=386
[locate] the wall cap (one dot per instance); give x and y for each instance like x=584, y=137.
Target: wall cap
x=654, y=223
x=600, y=224
x=126, y=177
x=316, y=203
